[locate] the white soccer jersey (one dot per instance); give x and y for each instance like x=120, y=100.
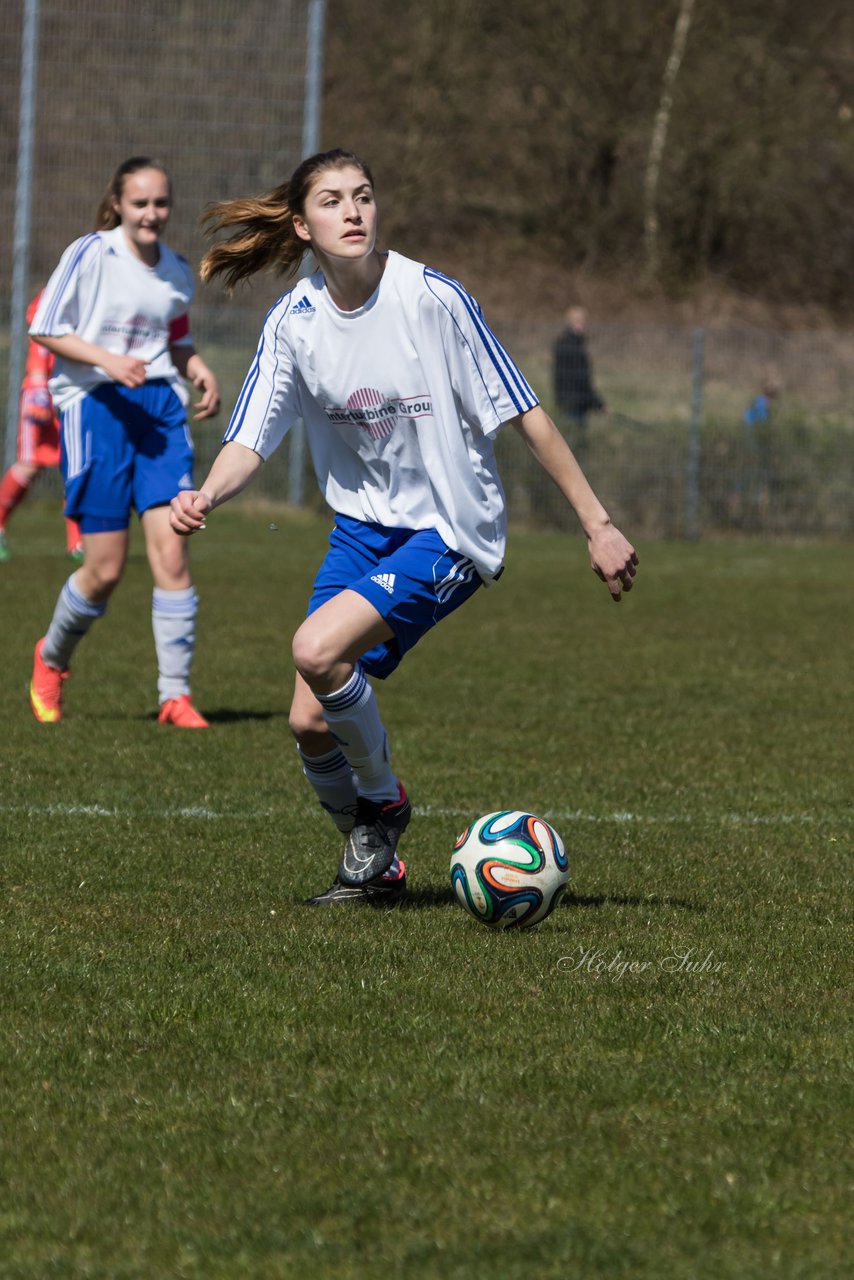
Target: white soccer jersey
x=401, y=400
x=103, y=293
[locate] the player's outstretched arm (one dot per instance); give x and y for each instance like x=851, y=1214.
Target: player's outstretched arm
x=612, y=557
x=233, y=468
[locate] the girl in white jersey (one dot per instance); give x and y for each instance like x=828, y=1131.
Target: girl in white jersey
x=402, y=388
x=115, y=314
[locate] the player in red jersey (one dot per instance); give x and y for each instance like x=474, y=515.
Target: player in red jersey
x=38, y=441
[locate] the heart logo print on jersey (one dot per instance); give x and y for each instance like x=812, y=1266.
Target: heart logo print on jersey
x=373, y=412
x=378, y=414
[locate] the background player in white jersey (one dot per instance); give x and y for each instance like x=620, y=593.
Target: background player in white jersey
x=115, y=314
x=402, y=387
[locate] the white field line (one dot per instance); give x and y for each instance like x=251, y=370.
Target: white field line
x=626, y=818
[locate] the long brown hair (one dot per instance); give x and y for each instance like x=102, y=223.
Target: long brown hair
x=106, y=217
x=266, y=237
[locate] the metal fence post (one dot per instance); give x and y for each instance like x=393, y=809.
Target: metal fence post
x=310, y=144
x=23, y=212
x=692, y=477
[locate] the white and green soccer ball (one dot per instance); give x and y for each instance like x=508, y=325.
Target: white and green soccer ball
x=509, y=869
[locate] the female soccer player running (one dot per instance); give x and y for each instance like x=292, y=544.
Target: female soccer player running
x=115, y=313
x=402, y=388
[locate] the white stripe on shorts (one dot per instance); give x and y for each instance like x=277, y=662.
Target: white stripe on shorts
x=72, y=438
x=461, y=574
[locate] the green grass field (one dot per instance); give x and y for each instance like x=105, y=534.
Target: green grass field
x=202, y=1078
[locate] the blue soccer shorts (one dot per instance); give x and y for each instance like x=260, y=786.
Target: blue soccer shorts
x=124, y=448
x=411, y=577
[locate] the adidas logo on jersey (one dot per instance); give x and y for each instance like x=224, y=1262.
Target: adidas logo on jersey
x=186, y=481
x=303, y=307
x=384, y=580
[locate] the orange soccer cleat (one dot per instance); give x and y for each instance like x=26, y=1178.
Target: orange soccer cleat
x=181, y=713
x=46, y=688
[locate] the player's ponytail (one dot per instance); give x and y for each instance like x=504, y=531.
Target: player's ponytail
x=106, y=216
x=265, y=237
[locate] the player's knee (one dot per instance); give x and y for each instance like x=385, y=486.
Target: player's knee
x=170, y=565
x=313, y=656
x=98, y=581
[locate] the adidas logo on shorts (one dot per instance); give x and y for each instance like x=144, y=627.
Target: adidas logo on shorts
x=384, y=580
x=303, y=307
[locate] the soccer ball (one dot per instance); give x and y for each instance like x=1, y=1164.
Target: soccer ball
x=509, y=869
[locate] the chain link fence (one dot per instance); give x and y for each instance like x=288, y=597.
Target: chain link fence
x=674, y=454
x=221, y=91
x=218, y=90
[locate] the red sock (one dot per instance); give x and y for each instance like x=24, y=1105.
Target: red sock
x=73, y=538
x=11, y=493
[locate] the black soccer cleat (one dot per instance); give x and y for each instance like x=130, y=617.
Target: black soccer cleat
x=370, y=847
x=378, y=893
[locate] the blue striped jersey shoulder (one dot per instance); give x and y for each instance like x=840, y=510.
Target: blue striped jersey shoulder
x=487, y=351
x=276, y=320
x=265, y=354
x=79, y=258
x=84, y=252
x=280, y=307
x=448, y=290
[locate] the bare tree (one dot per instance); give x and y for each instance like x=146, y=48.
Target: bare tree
x=659, y=137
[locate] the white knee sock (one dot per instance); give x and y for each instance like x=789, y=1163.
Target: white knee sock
x=173, y=620
x=354, y=721
x=334, y=785
x=72, y=618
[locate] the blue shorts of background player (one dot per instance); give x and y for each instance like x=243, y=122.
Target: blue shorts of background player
x=124, y=448
x=411, y=577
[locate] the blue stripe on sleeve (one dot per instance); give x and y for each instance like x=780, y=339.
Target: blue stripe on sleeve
x=244, y=399
x=500, y=356
x=62, y=287
x=514, y=382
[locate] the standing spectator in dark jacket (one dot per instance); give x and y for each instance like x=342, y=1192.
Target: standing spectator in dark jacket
x=575, y=395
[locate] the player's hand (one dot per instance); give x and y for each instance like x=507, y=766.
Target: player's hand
x=613, y=559
x=187, y=511
x=126, y=370
x=205, y=381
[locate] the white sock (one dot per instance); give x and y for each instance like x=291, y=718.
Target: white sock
x=72, y=618
x=354, y=721
x=334, y=786
x=173, y=621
